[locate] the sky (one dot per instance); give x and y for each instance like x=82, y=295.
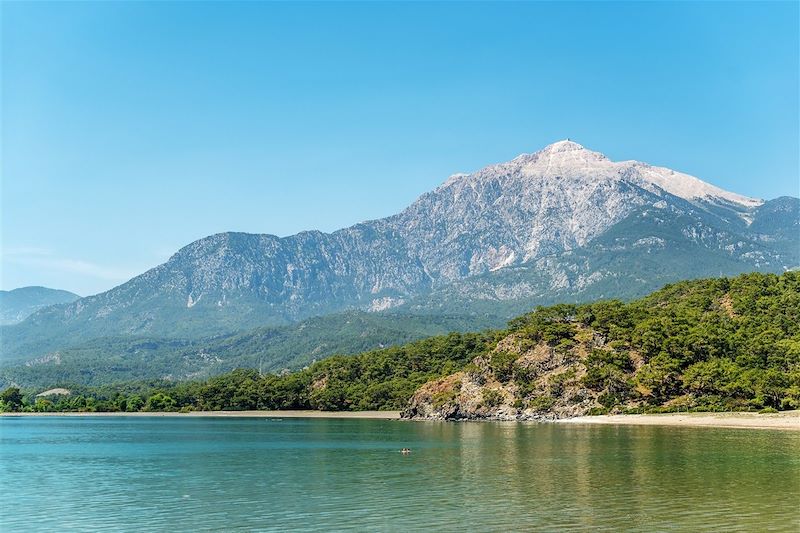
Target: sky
x=132, y=129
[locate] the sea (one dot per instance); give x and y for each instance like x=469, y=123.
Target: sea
x=256, y=474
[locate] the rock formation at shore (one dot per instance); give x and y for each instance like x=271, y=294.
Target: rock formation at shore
x=521, y=380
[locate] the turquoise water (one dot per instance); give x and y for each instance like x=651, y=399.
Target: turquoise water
x=189, y=474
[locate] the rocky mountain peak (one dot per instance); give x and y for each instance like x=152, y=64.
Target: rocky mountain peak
x=567, y=152
x=565, y=145
x=564, y=219
x=568, y=159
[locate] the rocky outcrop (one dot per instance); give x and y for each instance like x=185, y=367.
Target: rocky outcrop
x=517, y=381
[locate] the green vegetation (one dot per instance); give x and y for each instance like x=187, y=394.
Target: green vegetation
x=718, y=344
x=110, y=360
x=377, y=380
x=11, y=399
x=492, y=397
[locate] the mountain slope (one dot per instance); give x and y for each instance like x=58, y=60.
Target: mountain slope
x=17, y=304
x=653, y=246
x=270, y=349
x=564, y=219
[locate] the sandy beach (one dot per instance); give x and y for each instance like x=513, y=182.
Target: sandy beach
x=786, y=420
x=375, y=415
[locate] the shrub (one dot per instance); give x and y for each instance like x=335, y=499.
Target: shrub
x=442, y=398
x=492, y=397
x=542, y=403
x=502, y=365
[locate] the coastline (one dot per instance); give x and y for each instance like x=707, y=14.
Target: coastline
x=786, y=420
x=373, y=415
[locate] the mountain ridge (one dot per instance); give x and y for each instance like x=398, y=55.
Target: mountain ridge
x=544, y=209
x=17, y=304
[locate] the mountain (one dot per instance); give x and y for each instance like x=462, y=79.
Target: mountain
x=561, y=223
x=17, y=304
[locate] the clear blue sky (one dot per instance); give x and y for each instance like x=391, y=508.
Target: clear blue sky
x=131, y=129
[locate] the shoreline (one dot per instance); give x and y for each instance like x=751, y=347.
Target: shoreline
x=371, y=415
x=786, y=420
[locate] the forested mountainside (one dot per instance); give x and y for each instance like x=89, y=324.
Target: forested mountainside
x=117, y=359
x=713, y=344
x=562, y=224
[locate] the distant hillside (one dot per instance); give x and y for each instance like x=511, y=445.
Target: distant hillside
x=270, y=349
x=18, y=304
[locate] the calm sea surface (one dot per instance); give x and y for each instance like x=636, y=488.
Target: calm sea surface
x=189, y=474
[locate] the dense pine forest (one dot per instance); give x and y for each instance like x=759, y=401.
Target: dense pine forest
x=714, y=344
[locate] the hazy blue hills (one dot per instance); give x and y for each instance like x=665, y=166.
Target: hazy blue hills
x=18, y=304
x=778, y=223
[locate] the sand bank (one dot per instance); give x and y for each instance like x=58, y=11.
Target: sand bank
x=787, y=420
